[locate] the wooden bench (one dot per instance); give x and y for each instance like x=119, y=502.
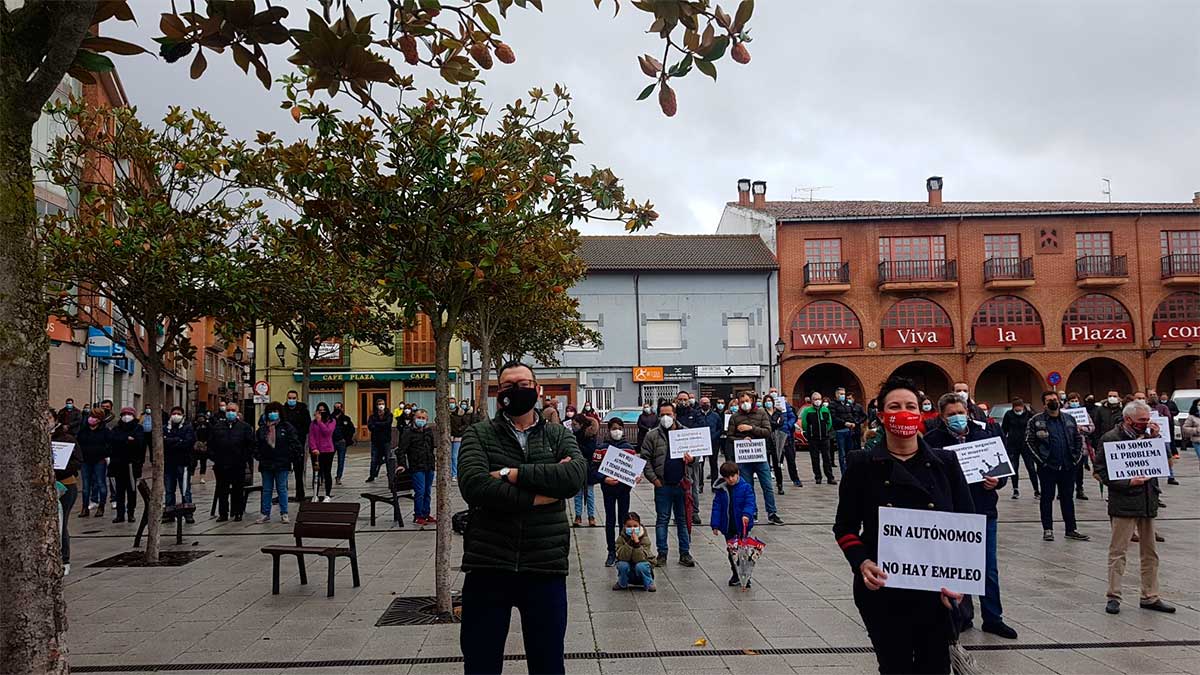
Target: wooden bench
x=401, y=486
x=328, y=520
x=177, y=513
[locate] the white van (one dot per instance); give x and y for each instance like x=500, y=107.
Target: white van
x=1183, y=399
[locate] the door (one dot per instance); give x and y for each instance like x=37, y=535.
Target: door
x=367, y=400
x=653, y=393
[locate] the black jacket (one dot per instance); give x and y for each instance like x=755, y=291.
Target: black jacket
x=841, y=412
x=127, y=444
x=983, y=498
x=72, y=419
x=931, y=480
x=380, y=427
x=692, y=417
x=1012, y=428
x=1126, y=500
x=345, y=429
x=1106, y=418
x=298, y=417
x=93, y=443
x=230, y=444
x=178, y=442
x=1036, y=434
x=645, y=422
x=202, y=426
x=287, y=448
x=415, y=451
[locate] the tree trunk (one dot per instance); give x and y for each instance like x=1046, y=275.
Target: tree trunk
x=306, y=373
x=485, y=372
x=441, y=335
x=33, y=618
x=155, y=465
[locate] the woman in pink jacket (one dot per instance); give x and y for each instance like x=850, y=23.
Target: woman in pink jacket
x=320, y=443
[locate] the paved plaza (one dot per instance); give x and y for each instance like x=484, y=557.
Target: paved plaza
x=217, y=613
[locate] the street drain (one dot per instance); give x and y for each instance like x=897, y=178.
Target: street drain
x=419, y=610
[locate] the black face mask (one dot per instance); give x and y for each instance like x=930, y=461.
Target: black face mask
x=1052, y=404
x=517, y=401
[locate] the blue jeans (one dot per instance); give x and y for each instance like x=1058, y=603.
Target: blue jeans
x=454, y=446
x=340, y=448
x=989, y=604
x=488, y=599
x=765, y=480
x=587, y=494
x=641, y=571
x=845, y=441
x=277, y=480
x=422, y=487
x=97, y=484
x=1196, y=447
x=666, y=499
x=176, y=478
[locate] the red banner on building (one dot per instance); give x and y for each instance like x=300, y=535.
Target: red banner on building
x=57, y=330
x=1008, y=336
x=826, y=339
x=931, y=336
x=1098, y=334
x=1178, y=331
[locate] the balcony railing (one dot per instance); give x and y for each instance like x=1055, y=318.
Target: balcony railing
x=1091, y=266
x=1176, y=265
x=1007, y=268
x=917, y=270
x=826, y=273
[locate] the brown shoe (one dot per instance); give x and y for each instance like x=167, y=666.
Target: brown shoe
x=578, y=522
x=591, y=522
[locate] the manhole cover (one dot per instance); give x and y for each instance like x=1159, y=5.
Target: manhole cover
x=137, y=559
x=419, y=611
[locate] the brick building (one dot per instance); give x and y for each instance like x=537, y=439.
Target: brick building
x=1005, y=296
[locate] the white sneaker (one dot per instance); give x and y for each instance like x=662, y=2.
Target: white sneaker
x=283, y=518
x=66, y=569
x=264, y=519
x=202, y=481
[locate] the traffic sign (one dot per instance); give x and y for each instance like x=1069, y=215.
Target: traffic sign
x=1054, y=378
x=262, y=388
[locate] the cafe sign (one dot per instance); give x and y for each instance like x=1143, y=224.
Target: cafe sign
x=1097, y=333
x=1008, y=336
x=1178, y=331
x=821, y=340
x=363, y=375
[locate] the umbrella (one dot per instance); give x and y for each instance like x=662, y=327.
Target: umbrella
x=744, y=552
x=689, y=504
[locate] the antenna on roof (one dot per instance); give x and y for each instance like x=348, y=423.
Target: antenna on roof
x=1107, y=189
x=810, y=190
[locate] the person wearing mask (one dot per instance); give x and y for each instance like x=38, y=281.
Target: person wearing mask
x=590, y=411
x=69, y=478
x=973, y=410
x=909, y=629
x=734, y=511
x=343, y=438
x=714, y=419
x=614, y=492
x=550, y=410
x=70, y=417
x=93, y=441
x=667, y=475
x=817, y=423
x=296, y=413
x=1132, y=508
x=1012, y=430
x=1191, y=427
x=276, y=445
x=858, y=416
x=783, y=424
x=404, y=420
x=460, y=419
x=517, y=545
x=930, y=419
x=692, y=417
x=586, y=429
x=645, y=422
x=1057, y=448
x=202, y=425
x=147, y=422
x=320, y=446
x=231, y=445
x=843, y=425
x=1161, y=408
x=379, y=424
x=178, y=440
x=958, y=428
x=1075, y=402
x=632, y=556
x=415, y=456
x=775, y=442
x=749, y=422
x=1173, y=409
x=127, y=454
x=1107, y=415
x=109, y=419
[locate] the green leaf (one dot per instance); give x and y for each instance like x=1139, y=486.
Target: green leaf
x=744, y=11
x=647, y=91
x=707, y=68
x=487, y=19
x=718, y=49
x=93, y=62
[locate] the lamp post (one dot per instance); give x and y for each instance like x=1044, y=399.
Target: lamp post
x=238, y=355
x=780, y=348
x=972, y=347
x=281, y=352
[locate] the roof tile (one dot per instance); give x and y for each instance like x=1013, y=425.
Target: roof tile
x=830, y=210
x=719, y=252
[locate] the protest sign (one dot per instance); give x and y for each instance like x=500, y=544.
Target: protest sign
x=622, y=465
x=697, y=442
x=727, y=417
x=746, y=450
x=62, y=454
x=979, y=459
x=1081, y=416
x=932, y=550
x=1145, y=457
x=1161, y=421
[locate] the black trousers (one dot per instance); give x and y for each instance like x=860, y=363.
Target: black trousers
x=298, y=473
x=126, y=477
x=325, y=466
x=231, y=498
x=1015, y=455
x=616, y=509
x=821, y=451
x=789, y=455
x=488, y=599
x=910, y=630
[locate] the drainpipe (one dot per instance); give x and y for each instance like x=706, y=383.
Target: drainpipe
x=771, y=357
x=1141, y=325
x=962, y=319
x=637, y=319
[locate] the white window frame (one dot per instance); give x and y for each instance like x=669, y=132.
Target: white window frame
x=656, y=323
x=587, y=346
x=601, y=398
x=732, y=321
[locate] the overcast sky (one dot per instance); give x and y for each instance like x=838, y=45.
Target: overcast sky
x=1014, y=100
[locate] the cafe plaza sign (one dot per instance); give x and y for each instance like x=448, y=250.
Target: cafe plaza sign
x=366, y=375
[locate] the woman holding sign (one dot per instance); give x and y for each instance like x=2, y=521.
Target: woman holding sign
x=911, y=630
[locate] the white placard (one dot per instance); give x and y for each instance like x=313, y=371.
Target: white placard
x=932, y=550
x=747, y=450
x=622, y=465
x=696, y=442
x=1143, y=457
x=62, y=454
x=1161, y=421
x=727, y=417
x=1081, y=416
x=983, y=458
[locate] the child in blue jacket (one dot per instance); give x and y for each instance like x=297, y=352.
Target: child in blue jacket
x=734, y=509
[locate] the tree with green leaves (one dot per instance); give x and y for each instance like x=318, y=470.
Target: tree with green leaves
x=159, y=232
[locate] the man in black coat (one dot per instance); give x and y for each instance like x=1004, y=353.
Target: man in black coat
x=295, y=413
x=230, y=446
x=70, y=417
x=343, y=438
x=1012, y=429
x=178, y=440
x=127, y=454
x=1058, y=448
x=380, y=426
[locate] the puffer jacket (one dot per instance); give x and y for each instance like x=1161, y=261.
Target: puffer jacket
x=415, y=451
x=93, y=443
x=178, y=441
x=631, y=552
x=756, y=418
x=287, y=447
x=656, y=450
x=230, y=444
x=127, y=444
x=1126, y=500
x=460, y=421
x=730, y=504
x=506, y=532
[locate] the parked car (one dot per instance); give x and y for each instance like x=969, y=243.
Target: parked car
x=1183, y=399
x=996, y=412
x=627, y=415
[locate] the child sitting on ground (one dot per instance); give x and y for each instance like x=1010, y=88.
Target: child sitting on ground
x=733, y=511
x=633, y=555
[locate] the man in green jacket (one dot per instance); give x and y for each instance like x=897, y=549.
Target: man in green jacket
x=817, y=422
x=515, y=472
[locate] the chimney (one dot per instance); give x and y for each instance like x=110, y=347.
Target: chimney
x=933, y=185
x=743, y=192
x=760, y=194
x=1196, y=198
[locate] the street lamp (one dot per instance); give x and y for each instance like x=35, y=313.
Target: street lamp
x=280, y=351
x=238, y=354
x=972, y=347
x=1155, y=344
x=780, y=347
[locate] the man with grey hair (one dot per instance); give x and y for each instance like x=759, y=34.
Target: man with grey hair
x=1132, y=507
x=1056, y=444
